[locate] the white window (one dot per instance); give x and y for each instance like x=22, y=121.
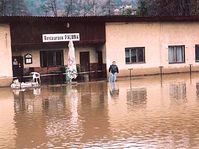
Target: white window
x=176, y=54
x=135, y=55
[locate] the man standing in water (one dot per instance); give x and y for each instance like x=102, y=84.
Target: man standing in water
x=113, y=69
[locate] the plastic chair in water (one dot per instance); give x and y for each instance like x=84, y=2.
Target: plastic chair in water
x=36, y=77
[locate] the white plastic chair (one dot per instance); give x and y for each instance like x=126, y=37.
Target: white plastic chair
x=36, y=77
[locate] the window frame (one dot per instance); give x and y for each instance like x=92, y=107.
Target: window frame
x=130, y=49
x=45, y=54
x=176, y=62
x=196, y=60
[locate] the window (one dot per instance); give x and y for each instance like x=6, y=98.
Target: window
x=51, y=58
x=197, y=53
x=176, y=54
x=135, y=55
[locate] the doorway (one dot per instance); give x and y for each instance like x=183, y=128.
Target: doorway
x=100, y=65
x=85, y=64
x=16, y=62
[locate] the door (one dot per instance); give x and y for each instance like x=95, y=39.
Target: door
x=100, y=64
x=17, y=66
x=85, y=65
x=84, y=62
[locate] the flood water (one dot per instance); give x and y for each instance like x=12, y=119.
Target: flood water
x=145, y=112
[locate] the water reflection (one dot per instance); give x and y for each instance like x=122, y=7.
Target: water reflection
x=177, y=92
x=36, y=91
x=18, y=100
x=94, y=112
x=150, y=114
x=137, y=96
x=114, y=90
x=197, y=90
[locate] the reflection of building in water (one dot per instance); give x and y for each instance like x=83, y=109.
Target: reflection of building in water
x=19, y=103
x=33, y=114
x=28, y=122
x=94, y=111
x=54, y=99
x=137, y=96
x=197, y=90
x=7, y=123
x=177, y=91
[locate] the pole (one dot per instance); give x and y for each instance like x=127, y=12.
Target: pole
x=190, y=66
x=161, y=72
x=130, y=77
x=130, y=72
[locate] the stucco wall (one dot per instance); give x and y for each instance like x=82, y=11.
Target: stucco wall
x=5, y=55
x=155, y=37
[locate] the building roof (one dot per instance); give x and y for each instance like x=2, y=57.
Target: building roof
x=11, y=19
x=26, y=31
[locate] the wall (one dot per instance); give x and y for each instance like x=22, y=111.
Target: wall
x=155, y=37
x=5, y=55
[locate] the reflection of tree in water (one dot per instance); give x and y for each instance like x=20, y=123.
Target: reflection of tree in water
x=137, y=97
x=177, y=92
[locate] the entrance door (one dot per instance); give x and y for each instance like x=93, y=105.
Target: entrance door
x=100, y=64
x=84, y=62
x=85, y=65
x=16, y=61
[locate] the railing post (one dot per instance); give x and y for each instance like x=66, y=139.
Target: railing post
x=130, y=69
x=190, y=67
x=161, y=72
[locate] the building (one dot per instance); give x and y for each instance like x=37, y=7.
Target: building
x=149, y=45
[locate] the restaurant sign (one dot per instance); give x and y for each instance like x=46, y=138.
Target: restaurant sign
x=60, y=37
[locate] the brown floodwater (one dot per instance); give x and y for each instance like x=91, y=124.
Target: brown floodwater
x=145, y=112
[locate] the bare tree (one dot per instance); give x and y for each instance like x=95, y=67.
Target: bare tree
x=108, y=7
x=142, y=8
x=45, y=9
x=13, y=8
x=50, y=6
x=81, y=7
x=74, y=7
x=168, y=7
x=94, y=6
x=68, y=7
x=111, y=7
x=194, y=7
x=3, y=6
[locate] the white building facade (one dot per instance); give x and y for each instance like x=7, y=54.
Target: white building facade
x=146, y=47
